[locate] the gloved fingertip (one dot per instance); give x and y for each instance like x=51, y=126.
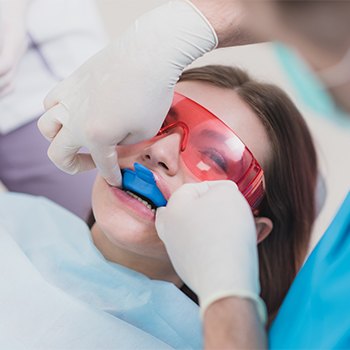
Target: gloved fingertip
x=118, y=177
x=201, y=188
x=229, y=183
x=49, y=102
x=114, y=181
x=113, y=176
x=40, y=124
x=159, y=221
x=161, y=209
x=160, y=213
x=222, y=184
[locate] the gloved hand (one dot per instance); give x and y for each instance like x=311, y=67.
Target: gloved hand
x=13, y=42
x=122, y=94
x=209, y=232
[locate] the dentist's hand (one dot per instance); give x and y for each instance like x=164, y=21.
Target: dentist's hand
x=209, y=232
x=122, y=94
x=13, y=42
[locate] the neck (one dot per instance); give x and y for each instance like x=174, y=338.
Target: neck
x=154, y=268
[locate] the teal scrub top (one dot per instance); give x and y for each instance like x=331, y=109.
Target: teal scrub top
x=316, y=311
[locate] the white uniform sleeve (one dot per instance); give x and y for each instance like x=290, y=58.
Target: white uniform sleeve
x=62, y=35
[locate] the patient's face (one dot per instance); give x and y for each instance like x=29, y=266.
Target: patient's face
x=127, y=222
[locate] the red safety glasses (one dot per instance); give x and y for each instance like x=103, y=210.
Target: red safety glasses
x=211, y=150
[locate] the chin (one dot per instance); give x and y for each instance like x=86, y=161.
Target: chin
x=122, y=226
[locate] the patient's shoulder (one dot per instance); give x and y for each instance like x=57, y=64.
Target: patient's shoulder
x=17, y=203
x=20, y=200
x=18, y=209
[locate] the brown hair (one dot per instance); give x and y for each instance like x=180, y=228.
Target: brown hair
x=290, y=177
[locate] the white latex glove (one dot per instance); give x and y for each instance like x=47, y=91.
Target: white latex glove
x=210, y=235
x=13, y=41
x=122, y=94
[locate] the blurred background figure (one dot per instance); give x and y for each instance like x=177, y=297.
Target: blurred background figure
x=68, y=33
x=41, y=42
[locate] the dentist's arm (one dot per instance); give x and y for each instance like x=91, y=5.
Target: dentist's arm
x=209, y=232
x=229, y=20
x=233, y=323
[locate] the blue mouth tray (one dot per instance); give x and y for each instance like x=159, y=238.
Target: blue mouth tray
x=141, y=181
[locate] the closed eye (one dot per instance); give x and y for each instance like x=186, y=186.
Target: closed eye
x=216, y=157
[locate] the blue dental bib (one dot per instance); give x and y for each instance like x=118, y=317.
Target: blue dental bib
x=142, y=182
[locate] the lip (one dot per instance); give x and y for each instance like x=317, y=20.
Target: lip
x=133, y=204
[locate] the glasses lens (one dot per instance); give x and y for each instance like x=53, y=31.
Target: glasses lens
x=211, y=150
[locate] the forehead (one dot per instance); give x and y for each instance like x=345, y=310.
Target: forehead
x=234, y=112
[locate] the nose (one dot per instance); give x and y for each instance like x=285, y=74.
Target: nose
x=164, y=153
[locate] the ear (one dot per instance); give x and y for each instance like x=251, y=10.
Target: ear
x=264, y=227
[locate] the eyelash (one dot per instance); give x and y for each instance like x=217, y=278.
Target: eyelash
x=216, y=157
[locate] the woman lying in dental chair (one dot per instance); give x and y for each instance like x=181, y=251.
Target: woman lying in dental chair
x=64, y=285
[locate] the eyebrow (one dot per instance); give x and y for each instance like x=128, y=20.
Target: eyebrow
x=213, y=135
